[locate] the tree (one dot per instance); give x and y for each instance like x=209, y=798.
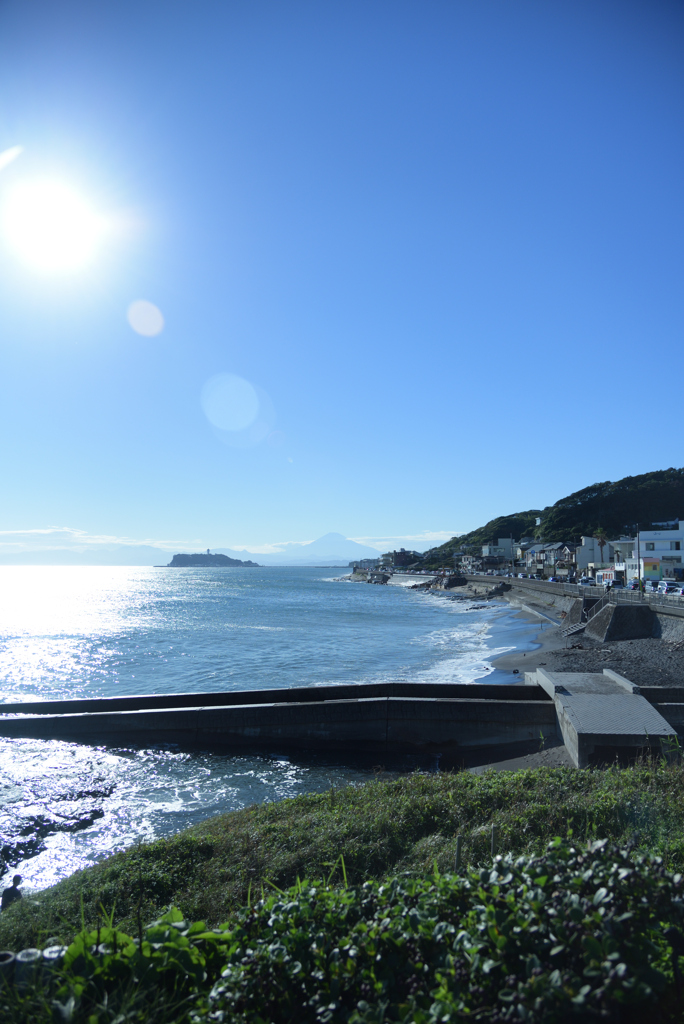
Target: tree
x=601, y=536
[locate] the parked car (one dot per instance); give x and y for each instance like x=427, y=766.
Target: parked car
x=522, y=575
x=587, y=581
x=678, y=591
x=615, y=585
x=634, y=585
x=554, y=579
x=667, y=586
x=651, y=586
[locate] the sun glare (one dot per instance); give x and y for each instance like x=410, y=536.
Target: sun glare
x=50, y=227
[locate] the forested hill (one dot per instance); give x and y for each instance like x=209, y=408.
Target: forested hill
x=614, y=508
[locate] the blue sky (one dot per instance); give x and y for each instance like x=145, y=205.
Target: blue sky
x=442, y=241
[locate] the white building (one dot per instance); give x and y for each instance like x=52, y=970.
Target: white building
x=541, y=557
x=623, y=547
x=590, y=551
x=501, y=548
x=655, y=555
x=470, y=563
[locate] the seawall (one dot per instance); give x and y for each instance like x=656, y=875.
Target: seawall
x=560, y=602
x=463, y=723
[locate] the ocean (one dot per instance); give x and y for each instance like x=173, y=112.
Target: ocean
x=105, y=631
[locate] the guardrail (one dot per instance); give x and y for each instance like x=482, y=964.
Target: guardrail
x=673, y=601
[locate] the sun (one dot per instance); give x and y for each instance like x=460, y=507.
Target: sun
x=50, y=226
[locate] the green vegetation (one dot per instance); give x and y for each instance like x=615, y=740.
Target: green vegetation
x=216, y=561
x=382, y=921
x=521, y=524
x=569, y=935
x=604, y=509
x=380, y=828
x=616, y=507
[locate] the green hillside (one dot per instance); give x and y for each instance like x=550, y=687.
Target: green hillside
x=615, y=508
x=520, y=524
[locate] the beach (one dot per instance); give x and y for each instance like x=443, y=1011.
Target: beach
x=652, y=661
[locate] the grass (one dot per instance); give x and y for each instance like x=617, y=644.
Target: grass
x=578, y=933
x=380, y=828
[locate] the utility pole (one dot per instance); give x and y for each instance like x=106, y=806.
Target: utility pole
x=639, y=558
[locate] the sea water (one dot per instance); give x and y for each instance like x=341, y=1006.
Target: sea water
x=72, y=632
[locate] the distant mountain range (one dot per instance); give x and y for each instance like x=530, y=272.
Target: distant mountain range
x=333, y=549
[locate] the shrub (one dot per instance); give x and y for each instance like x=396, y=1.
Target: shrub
x=573, y=934
x=569, y=935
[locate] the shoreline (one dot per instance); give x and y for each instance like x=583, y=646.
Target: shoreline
x=652, y=661
x=548, y=639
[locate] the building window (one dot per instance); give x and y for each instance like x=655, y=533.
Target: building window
x=675, y=545
x=650, y=547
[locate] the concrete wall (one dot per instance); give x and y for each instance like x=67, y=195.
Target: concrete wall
x=668, y=626
x=674, y=714
x=621, y=622
x=555, y=603
x=281, y=695
x=668, y=611
x=455, y=726
x=574, y=614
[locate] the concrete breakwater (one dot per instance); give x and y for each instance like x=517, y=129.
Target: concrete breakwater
x=631, y=615
x=462, y=722
x=466, y=724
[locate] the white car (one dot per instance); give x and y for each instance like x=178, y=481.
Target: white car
x=668, y=587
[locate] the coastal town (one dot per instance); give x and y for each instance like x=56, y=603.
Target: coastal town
x=651, y=559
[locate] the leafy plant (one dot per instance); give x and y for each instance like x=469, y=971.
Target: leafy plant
x=382, y=828
x=590, y=933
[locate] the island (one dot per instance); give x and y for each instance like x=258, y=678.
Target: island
x=208, y=561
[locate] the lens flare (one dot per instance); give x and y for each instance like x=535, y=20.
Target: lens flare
x=145, y=318
x=50, y=227
x=9, y=155
x=230, y=402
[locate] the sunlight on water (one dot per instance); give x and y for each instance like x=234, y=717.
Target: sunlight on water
x=92, y=631
x=66, y=805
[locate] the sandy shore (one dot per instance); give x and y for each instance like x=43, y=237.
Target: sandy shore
x=650, y=662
